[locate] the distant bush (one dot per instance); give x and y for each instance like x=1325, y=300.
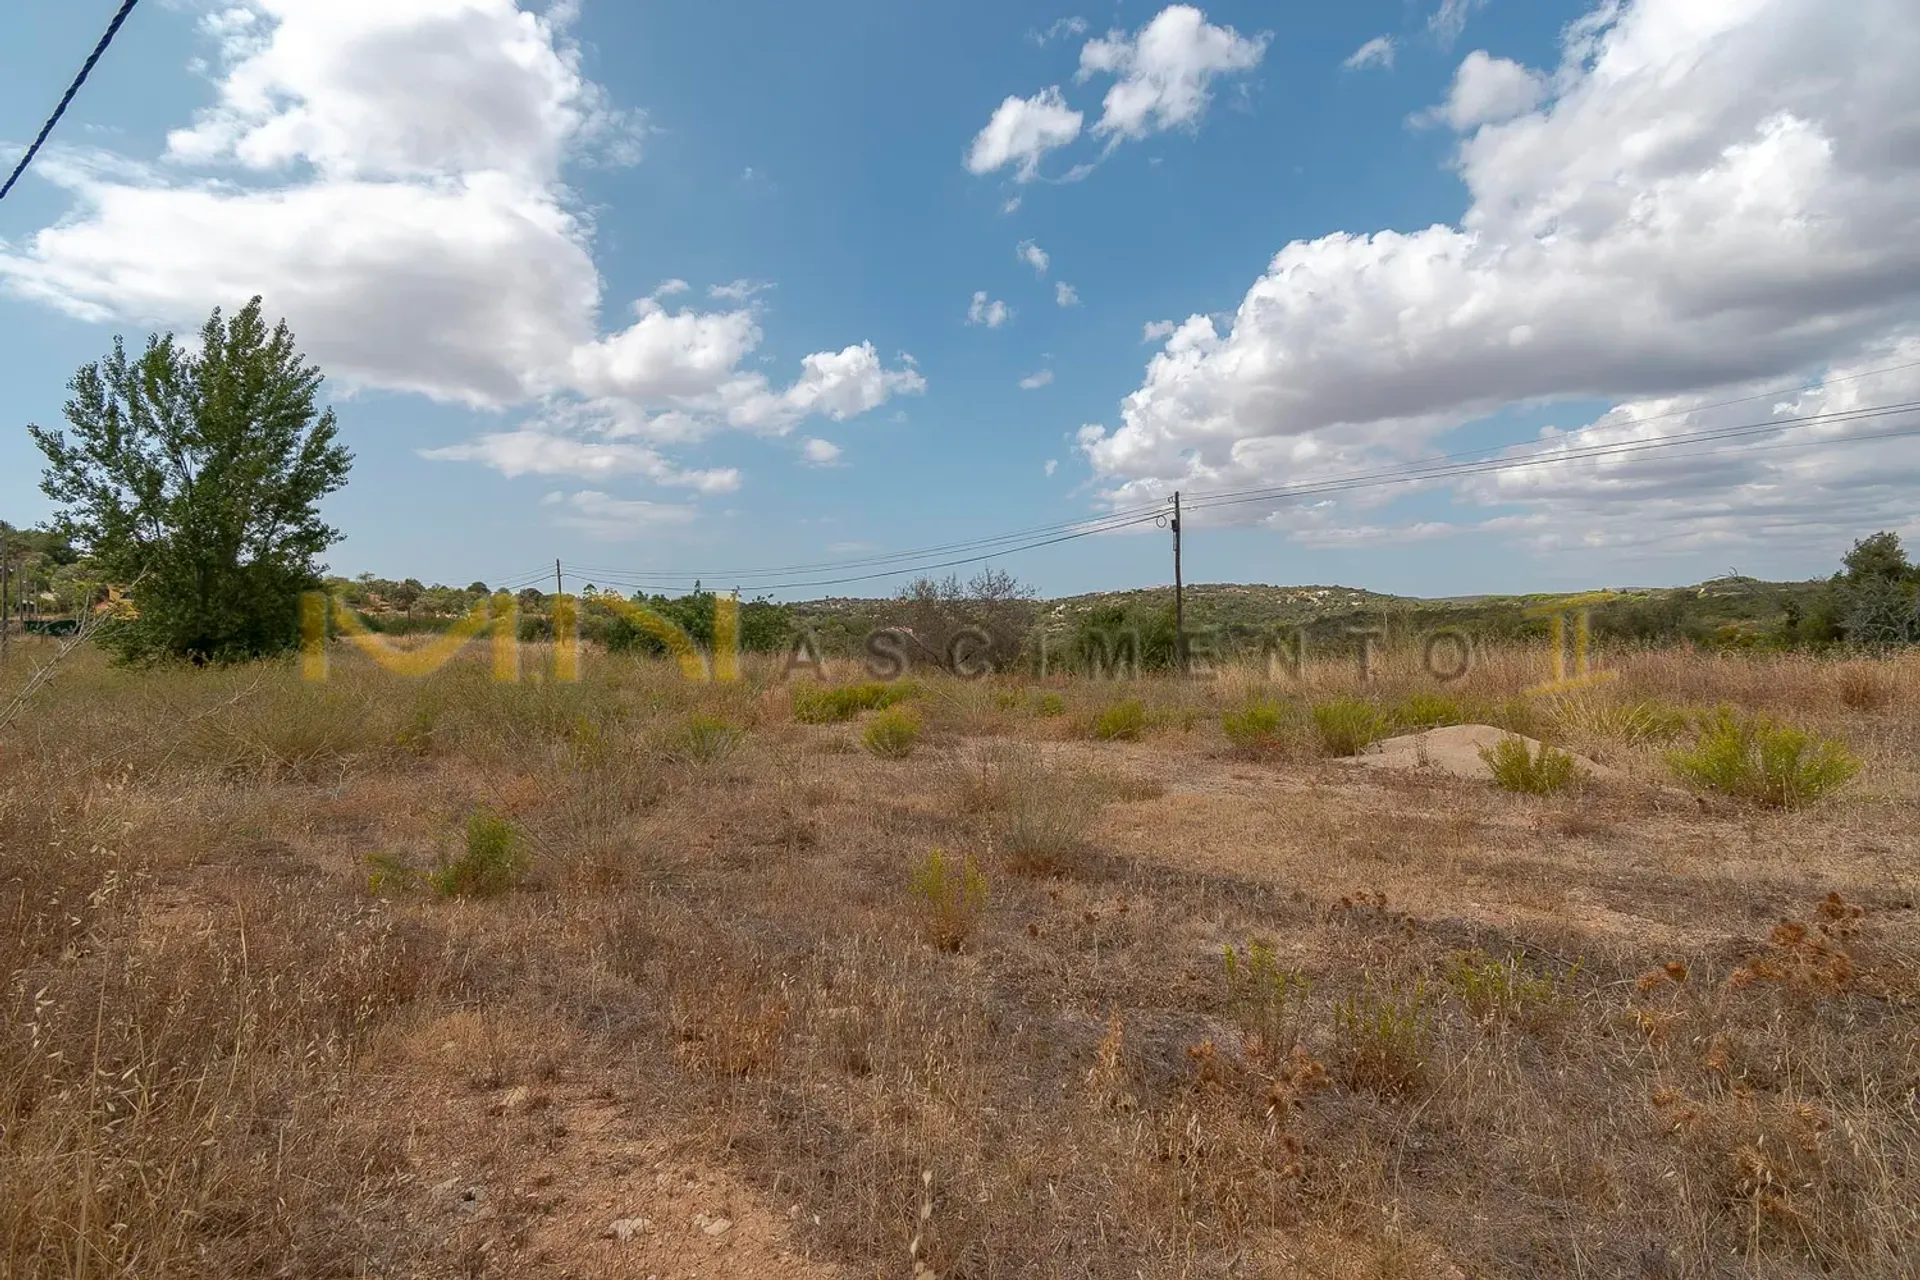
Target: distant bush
x=829, y=704
x=1267, y=1000
x=951, y=895
x=1049, y=705
x=1121, y=722
x=1347, y=725
x=1759, y=759
x=702, y=739
x=1515, y=768
x=1426, y=711
x=1257, y=726
x=893, y=732
x=490, y=863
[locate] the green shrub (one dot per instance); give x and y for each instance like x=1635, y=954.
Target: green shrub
x=893, y=732
x=1383, y=1037
x=830, y=704
x=1347, y=725
x=1257, y=726
x=951, y=897
x=492, y=861
x=1049, y=705
x=1268, y=1001
x=702, y=739
x=1515, y=768
x=1121, y=722
x=1499, y=993
x=1427, y=711
x=1759, y=759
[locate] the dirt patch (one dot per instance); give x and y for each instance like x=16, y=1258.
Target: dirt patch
x=1455, y=751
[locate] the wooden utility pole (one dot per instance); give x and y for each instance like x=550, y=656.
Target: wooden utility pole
x=559, y=583
x=1179, y=595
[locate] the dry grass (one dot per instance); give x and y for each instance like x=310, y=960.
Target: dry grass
x=1619, y=1031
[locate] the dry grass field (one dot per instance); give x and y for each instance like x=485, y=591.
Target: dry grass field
x=642, y=977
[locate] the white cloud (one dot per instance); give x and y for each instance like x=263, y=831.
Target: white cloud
x=1708, y=197
x=1450, y=19
x=1065, y=295
x=1036, y=380
x=1377, y=52
x=1033, y=255
x=1021, y=132
x=992, y=314
x=1486, y=90
x=540, y=449
x=1155, y=330
x=739, y=290
x=832, y=384
x=1053, y=464
x=820, y=453
x=1165, y=71
x=1012, y=205
x=608, y=519
x=390, y=178
x=1071, y=28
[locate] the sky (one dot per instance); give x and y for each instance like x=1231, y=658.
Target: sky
x=670, y=289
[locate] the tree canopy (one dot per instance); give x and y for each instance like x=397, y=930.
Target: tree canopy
x=193, y=477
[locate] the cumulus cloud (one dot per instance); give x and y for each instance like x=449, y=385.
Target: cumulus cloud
x=390, y=178
x=1036, y=380
x=1065, y=295
x=1053, y=464
x=1377, y=52
x=820, y=453
x=1486, y=90
x=1022, y=131
x=546, y=449
x=1705, y=199
x=992, y=313
x=1033, y=255
x=1165, y=71
x=1155, y=330
x=608, y=519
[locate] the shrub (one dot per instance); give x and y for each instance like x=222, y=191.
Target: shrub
x=1121, y=722
x=893, y=732
x=702, y=739
x=1268, y=1001
x=1499, y=993
x=1347, y=725
x=1383, y=1038
x=1427, y=711
x=1255, y=727
x=830, y=704
x=1863, y=689
x=951, y=896
x=1049, y=705
x=491, y=862
x=1515, y=768
x=1755, y=758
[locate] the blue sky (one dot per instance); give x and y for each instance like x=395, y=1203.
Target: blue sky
x=1303, y=243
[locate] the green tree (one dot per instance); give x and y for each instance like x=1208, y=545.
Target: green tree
x=1876, y=593
x=194, y=477
x=1879, y=558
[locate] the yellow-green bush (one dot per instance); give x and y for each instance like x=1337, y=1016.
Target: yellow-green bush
x=1347, y=725
x=1257, y=726
x=893, y=732
x=1756, y=758
x=951, y=895
x=829, y=704
x=1515, y=768
x=1121, y=722
x=491, y=860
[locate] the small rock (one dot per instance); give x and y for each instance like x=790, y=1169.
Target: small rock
x=712, y=1227
x=627, y=1228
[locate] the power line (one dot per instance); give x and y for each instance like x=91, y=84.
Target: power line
x=966, y=544
x=86, y=69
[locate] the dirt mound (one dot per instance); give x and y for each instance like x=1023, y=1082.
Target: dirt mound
x=1455, y=750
